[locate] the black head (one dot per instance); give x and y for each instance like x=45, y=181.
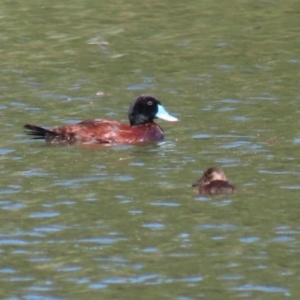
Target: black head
x=145, y=108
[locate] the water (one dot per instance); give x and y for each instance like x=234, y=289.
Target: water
x=124, y=222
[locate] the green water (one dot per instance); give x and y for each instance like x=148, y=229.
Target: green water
x=124, y=222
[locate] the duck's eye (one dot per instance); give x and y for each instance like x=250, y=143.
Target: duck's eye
x=150, y=102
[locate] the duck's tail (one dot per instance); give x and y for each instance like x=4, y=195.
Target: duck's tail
x=38, y=132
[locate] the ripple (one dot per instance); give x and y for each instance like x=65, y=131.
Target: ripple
x=283, y=239
x=114, y=259
x=44, y=214
x=7, y=191
x=77, y=280
x=249, y=239
x=132, y=279
x=201, y=136
x=22, y=278
x=292, y=60
x=135, y=212
x=191, y=279
x=218, y=238
x=5, y=151
x=150, y=250
x=39, y=259
x=290, y=232
x=69, y=268
x=32, y=108
x=235, y=144
x=39, y=297
x=240, y=118
x=226, y=109
x=47, y=96
x=231, y=277
x=141, y=86
x=263, y=97
x=168, y=204
x=290, y=187
x=50, y=228
x=277, y=172
x=102, y=240
x=39, y=288
x=227, y=161
x=210, y=226
x=225, y=66
x=262, y=288
x=202, y=198
x=297, y=141
x=7, y=271
x=97, y=286
x=182, y=255
x=75, y=183
x=72, y=182
x=16, y=103
x=148, y=83
x=154, y=226
x=34, y=173
x=147, y=279
x=9, y=205
x=223, y=202
x=229, y=101
x=17, y=242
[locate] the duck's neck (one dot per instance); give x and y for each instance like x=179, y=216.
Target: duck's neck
x=139, y=119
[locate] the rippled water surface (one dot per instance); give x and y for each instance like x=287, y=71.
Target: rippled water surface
x=124, y=222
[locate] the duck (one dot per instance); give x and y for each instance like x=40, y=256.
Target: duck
x=214, y=182
x=142, y=128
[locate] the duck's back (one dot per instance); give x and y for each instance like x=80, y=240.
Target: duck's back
x=101, y=131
